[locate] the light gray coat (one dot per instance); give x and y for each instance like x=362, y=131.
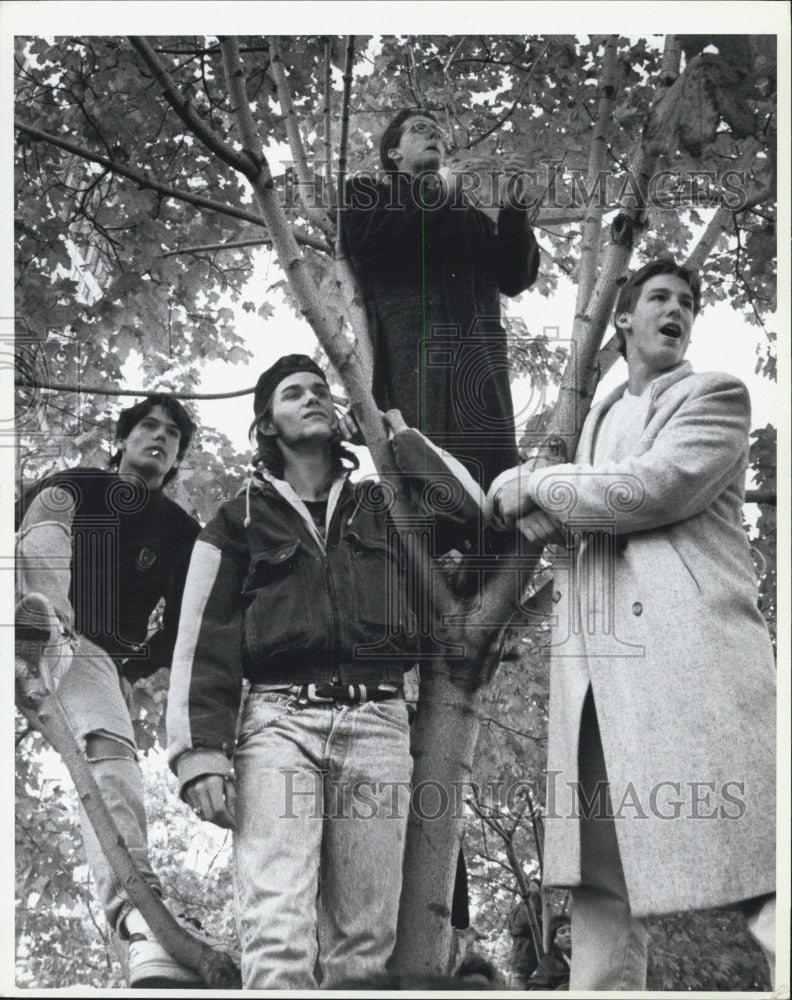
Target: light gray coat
x=663, y=624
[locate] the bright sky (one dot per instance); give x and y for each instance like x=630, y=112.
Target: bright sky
x=722, y=341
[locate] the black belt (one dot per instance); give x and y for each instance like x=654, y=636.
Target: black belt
x=310, y=694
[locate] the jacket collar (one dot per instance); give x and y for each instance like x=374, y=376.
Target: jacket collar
x=656, y=389
x=264, y=481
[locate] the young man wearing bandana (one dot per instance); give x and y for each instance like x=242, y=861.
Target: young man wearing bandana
x=297, y=589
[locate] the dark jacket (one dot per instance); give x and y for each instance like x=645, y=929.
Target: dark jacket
x=130, y=549
x=431, y=280
x=269, y=600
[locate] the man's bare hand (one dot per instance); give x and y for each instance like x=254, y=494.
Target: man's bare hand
x=213, y=798
x=538, y=527
x=514, y=181
x=506, y=503
x=348, y=427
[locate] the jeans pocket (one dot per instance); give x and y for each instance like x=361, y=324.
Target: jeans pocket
x=262, y=709
x=393, y=710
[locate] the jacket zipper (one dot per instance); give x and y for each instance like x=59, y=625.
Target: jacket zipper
x=333, y=591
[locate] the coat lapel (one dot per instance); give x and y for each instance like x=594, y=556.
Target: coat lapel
x=585, y=450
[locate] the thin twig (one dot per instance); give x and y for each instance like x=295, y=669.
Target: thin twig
x=263, y=241
x=23, y=735
x=510, y=111
x=539, y=740
x=97, y=390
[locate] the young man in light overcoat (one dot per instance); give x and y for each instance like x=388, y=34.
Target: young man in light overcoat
x=662, y=678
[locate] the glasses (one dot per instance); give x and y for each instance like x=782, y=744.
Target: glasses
x=421, y=126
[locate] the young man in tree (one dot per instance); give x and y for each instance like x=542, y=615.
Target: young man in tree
x=296, y=586
x=104, y=549
x=431, y=268
x=662, y=689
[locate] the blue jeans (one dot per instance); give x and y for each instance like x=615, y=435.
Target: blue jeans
x=322, y=804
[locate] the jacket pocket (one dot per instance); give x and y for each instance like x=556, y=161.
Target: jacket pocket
x=685, y=562
x=279, y=614
x=377, y=585
x=393, y=710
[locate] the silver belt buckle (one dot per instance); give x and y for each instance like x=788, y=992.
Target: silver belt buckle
x=310, y=691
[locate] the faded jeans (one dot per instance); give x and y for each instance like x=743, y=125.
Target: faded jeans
x=322, y=804
x=96, y=700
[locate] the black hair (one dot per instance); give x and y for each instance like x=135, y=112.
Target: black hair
x=631, y=289
x=129, y=418
x=393, y=133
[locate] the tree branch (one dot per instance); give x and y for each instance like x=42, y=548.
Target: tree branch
x=44, y=710
x=539, y=740
x=326, y=115
x=183, y=107
x=717, y=226
x=209, y=248
x=97, y=390
x=672, y=58
x=143, y=180
x=306, y=185
x=581, y=372
x=517, y=871
x=342, y=145
x=592, y=224
x=715, y=229
x=761, y=496
x=510, y=111
x=347, y=357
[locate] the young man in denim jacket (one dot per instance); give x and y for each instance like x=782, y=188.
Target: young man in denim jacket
x=297, y=588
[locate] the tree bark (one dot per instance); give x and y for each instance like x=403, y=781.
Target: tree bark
x=592, y=224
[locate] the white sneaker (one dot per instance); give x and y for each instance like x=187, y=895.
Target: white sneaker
x=150, y=965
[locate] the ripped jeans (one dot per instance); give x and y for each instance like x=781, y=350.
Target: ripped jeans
x=97, y=700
